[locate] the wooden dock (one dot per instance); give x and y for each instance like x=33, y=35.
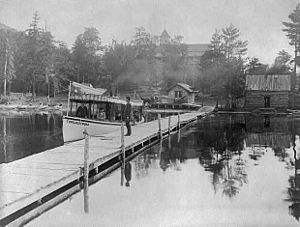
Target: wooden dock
x=32, y=185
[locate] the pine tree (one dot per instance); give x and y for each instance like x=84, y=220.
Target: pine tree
x=223, y=65
x=37, y=54
x=144, y=43
x=86, y=55
x=7, y=63
x=292, y=29
x=216, y=42
x=281, y=63
x=31, y=49
x=232, y=46
x=255, y=67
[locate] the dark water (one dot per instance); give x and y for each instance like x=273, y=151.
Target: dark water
x=24, y=135
x=230, y=171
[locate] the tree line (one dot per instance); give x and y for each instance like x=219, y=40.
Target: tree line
x=223, y=68
x=33, y=61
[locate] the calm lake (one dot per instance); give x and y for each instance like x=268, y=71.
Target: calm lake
x=27, y=134
x=223, y=170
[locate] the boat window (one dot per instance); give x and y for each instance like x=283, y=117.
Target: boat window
x=82, y=111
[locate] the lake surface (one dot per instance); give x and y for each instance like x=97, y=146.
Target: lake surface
x=27, y=134
x=229, y=171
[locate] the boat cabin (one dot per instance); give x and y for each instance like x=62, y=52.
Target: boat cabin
x=92, y=104
x=100, y=108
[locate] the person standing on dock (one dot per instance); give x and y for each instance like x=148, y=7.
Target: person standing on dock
x=127, y=116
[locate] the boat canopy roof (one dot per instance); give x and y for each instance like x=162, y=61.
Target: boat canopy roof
x=86, y=94
x=77, y=88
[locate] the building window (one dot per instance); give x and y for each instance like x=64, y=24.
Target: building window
x=267, y=101
x=178, y=94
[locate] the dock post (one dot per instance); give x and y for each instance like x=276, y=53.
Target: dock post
x=86, y=172
x=123, y=153
x=160, y=149
x=169, y=131
x=178, y=138
x=169, y=125
x=159, y=126
x=178, y=120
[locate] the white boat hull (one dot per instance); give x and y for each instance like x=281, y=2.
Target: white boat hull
x=73, y=127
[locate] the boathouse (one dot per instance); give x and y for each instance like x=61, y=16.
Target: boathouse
x=271, y=91
x=181, y=93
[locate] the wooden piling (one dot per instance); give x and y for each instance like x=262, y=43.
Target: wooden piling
x=159, y=126
x=122, y=175
x=160, y=149
x=86, y=172
x=71, y=109
x=4, y=139
x=122, y=142
x=169, y=132
x=169, y=126
x=123, y=153
x=178, y=138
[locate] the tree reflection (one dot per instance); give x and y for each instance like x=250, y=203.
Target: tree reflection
x=145, y=161
x=234, y=177
x=228, y=172
x=294, y=187
x=274, y=132
x=256, y=152
x=222, y=145
x=223, y=157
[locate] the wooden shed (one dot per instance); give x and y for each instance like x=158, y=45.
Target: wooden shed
x=270, y=91
x=182, y=93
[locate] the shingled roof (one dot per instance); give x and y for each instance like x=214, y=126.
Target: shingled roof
x=185, y=87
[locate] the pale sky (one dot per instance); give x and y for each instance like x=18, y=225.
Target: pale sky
x=259, y=21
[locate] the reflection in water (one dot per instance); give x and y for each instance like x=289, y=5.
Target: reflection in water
x=127, y=174
x=22, y=136
x=294, y=187
x=245, y=169
x=222, y=146
x=142, y=164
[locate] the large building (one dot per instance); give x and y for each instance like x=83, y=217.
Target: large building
x=165, y=38
x=194, y=51
x=193, y=54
